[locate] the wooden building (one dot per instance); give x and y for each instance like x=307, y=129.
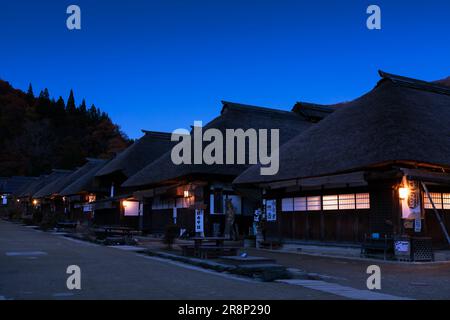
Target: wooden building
x=9, y=190
x=370, y=167
x=50, y=202
x=31, y=198
x=80, y=191
x=118, y=206
x=193, y=196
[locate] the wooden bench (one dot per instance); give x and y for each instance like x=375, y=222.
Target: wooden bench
x=206, y=252
x=187, y=250
x=375, y=243
x=271, y=245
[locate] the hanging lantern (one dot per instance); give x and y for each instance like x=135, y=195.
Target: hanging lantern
x=403, y=193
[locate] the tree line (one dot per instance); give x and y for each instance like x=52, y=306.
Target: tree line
x=39, y=133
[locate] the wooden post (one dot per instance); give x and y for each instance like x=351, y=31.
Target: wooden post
x=438, y=216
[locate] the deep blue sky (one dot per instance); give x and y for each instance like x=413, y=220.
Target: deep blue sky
x=161, y=64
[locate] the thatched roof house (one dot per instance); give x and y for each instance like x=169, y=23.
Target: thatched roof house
x=172, y=193
x=142, y=152
x=232, y=116
x=41, y=182
x=401, y=121
x=26, y=189
x=364, y=169
x=82, y=180
x=55, y=186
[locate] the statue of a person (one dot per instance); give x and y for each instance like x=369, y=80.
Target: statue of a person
x=230, y=227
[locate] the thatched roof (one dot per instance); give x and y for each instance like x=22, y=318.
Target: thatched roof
x=38, y=183
x=53, y=186
x=233, y=116
x=23, y=191
x=82, y=179
x=401, y=120
x=14, y=184
x=314, y=112
x=142, y=152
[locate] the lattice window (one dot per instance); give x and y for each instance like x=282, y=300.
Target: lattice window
x=347, y=201
x=300, y=204
x=287, y=204
x=330, y=202
x=314, y=203
x=362, y=201
x=446, y=201
x=437, y=200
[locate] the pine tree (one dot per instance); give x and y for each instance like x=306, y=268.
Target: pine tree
x=44, y=94
x=60, y=106
x=71, y=102
x=93, y=113
x=30, y=93
x=82, y=107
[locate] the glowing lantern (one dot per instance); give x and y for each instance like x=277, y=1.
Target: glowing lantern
x=403, y=193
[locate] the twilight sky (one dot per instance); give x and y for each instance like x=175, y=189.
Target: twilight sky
x=161, y=64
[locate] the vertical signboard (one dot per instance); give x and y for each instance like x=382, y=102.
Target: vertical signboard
x=199, y=221
x=271, y=210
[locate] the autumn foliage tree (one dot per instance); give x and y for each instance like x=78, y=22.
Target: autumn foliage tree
x=38, y=133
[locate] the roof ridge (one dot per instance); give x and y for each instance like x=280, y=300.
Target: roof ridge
x=157, y=134
x=414, y=83
x=248, y=107
x=316, y=106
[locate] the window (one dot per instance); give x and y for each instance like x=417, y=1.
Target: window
x=330, y=203
x=446, y=201
x=347, y=201
x=130, y=208
x=362, y=201
x=313, y=203
x=162, y=203
x=437, y=200
x=300, y=204
x=350, y=201
x=287, y=205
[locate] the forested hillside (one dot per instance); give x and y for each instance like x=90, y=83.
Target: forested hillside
x=38, y=133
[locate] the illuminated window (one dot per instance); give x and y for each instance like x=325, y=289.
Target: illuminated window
x=314, y=203
x=300, y=204
x=287, y=204
x=330, y=202
x=437, y=200
x=446, y=201
x=362, y=201
x=347, y=202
